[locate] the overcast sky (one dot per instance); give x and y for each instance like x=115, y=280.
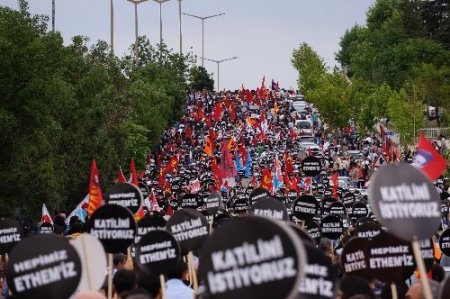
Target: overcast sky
x=261, y=33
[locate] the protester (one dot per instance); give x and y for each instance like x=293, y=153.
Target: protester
x=416, y=290
x=175, y=287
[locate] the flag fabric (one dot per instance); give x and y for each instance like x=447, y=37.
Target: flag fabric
x=231, y=143
x=161, y=178
x=267, y=180
x=232, y=111
x=238, y=162
x=248, y=165
x=253, y=122
x=195, y=186
x=133, y=174
x=253, y=182
x=208, y=149
x=335, y=180
x=95, y=192
x=217, y=112
x=46, y=215
x=172, y=164
x=226, y=166
x=120, y=177
x=80, y=210
x=154, y=202
x=428, y=159
x=139, y=214
x=277, y=175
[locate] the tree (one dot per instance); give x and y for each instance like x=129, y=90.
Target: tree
x=200, y=79
x=310, y=67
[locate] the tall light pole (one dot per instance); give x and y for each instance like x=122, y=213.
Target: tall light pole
x=160, y=2
x=136, y=43
x=203, y=30
x=179, y=16
x=218, y=68
x=111, y=11
x=53, y=15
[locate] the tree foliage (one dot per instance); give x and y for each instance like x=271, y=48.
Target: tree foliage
x=61, y=106
x=200, y=79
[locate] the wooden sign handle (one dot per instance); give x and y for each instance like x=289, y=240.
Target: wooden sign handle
x=394, y=291
x=162, y=281
x=194, y=273
x=110, y=275
x=421, y=265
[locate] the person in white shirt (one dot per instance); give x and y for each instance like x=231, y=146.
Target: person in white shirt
x=175, y=287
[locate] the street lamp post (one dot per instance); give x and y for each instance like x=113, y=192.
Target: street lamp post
x=218, y=67
x=53, y=15
x=160, y=2
x=111, y=11
x=203, y=30
x=136, y=28
x=179, y=16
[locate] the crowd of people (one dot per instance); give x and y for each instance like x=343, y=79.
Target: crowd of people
x=233, y=142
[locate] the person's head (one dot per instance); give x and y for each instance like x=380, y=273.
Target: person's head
x=416, y=290
x=119, y=261
x=437, y=272
x=124, y=281
x=76, y=227
x=353, y=285
x=139, y=293
x=179, y=271
x=326, y=247
x=149, y=282
x=89, y=295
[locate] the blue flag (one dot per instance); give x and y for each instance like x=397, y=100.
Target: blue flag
x=248, y=165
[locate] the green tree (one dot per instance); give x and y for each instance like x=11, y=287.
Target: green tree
x=200, y=79
x=310, y=67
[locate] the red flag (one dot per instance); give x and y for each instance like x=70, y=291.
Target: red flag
x=46, y=215
x=95, y=192
x=232, y=112
x=133, y=174
x=161, y=178
x=172, y=164
x=294, y=184
x=267, y=180
x=262, y=117
x=428, y=159
x=120, y=177
x=227, y=168
x=139, y=214
x=335, y=180
x=253, y=182
x=243, y=152
x=382, y=132
x=208, y=149
x=217, y=113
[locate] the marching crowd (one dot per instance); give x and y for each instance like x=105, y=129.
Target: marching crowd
x=232, y=141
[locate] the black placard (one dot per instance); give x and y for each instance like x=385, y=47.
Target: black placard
x=427, y=249
x=292, y=195
x=46, y=228
x=368, y=230
x=320, y=276
x=390, y=259
x=240, y=205
x=348, y=199
x=114, y=226
x=326, y=205
x=311, y=166
x=305, y=207
x=359, y=210
x=273, y=260
x=337, y=208
x=354, y=257
x=405, y=201
x=313, y=230
x=43, y=266
x=257, y=194
x=125, y=195
x=270, y=208
x=444, y=242
x=331, y=226
x=190, y=201
x=213, y=203
x=190, y=229
x=150, y=222
x=11, y=233
x=157, y=252
x=302, y=234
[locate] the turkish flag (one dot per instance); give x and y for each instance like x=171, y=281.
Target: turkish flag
x=428, y=159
